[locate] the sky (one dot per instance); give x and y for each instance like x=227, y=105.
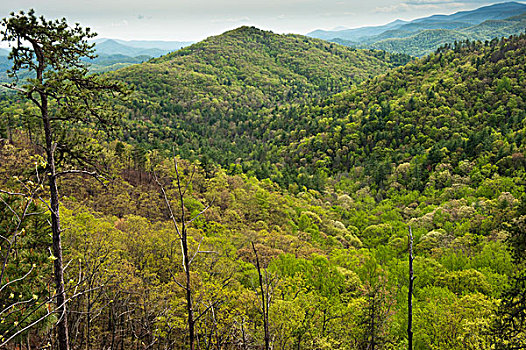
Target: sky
x=194, y=20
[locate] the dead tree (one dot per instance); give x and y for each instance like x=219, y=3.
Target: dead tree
x=182, y=233
x=410, y=293
x=264, y=300
x=27, y=312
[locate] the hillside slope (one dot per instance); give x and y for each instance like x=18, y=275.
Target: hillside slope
x=426, y=41
x=424, y=35
x=461, y=104
x=211, y=98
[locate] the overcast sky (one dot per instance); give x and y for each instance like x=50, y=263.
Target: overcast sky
x=193, y=20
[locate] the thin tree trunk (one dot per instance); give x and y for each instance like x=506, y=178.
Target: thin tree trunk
x=373, y=315
x=243, y=333
x=88, y=321
x=264, y=305
x=189, y=306
x=183, y=238
x=410, y=293
x=62, y=325
x=186, y=264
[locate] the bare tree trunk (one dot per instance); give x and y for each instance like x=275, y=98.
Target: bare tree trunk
x=373, y=315
x=186, y=261
x=410, y=293
x=243, y=333
x=62, y=324
x=186, y=264
x=88, y=321
x=264, y=299
x=183, y=238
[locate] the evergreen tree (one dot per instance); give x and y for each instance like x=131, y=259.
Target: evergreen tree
x=66, y=96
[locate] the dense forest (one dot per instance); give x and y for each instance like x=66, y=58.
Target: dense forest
x=245, y=196
x=423, y=36
x=426, y=41
x=222, y=89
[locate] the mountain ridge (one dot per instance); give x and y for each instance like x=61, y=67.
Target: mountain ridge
x=213, y=90
x=169, y=45
x=471, y=24
x=113, y=47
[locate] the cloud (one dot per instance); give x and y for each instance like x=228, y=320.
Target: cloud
x=231, y=20
x=405, y=7
x=123, y=23
x=141, y=17
x=445, y=2
x=434, y=5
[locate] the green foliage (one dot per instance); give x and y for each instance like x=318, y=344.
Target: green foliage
x=220, y=99
x=25, y=270
x=423, y=36
x=437, y=144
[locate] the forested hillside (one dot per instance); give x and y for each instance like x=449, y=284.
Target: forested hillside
x=334, y=261
x=280, y=217
x=460, y=104
x=426, y=41
x=424, y=35
x=211, y=98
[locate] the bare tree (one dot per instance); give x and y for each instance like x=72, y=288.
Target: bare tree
x=187, y=257
x=410, y=293
x=265, y=299
x=28, y=310
x=33, y=310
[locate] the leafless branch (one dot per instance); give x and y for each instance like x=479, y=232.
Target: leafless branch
x=202, y=211
x=26, y=328
x=176, y=281
x=82, y=172
x=168, y=205
x=205, y=310
x=12, y=193
x=16, y=280
x=189, y=181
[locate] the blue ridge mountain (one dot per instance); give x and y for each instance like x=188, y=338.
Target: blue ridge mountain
x=113, y=47
x=356, y=34
x=424, y=35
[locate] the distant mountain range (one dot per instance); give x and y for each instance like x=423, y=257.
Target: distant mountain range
x=114, y=54
x=5, y=64
x=357, y=34
x=424, y=35
x=134, y=48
